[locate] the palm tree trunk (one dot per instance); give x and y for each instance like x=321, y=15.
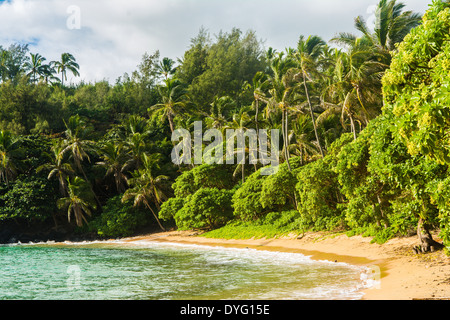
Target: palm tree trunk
x=284, y=133
x=352, y=126
x=312, y=115
x=170, y=118
x=156, y=217
x=256, y=115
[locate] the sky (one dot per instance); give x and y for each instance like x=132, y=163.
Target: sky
x=109, y=37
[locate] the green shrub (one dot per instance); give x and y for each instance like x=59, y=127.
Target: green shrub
x=206, y=209
x=32, y=198
x=119, y=219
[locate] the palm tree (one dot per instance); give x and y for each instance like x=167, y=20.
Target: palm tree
x=172, y=100
x=10, y=151
x=302, y=142
x=80, y=200
x=35, y=66
x=48, y=73
x=219, y=113
x=114, y=161
x=308, y=52
x=136, y=146
x=391, y=25
x=58, y=168
x=282, y=91
x=260, y=85
x=355, y=83
x=77, y=144
x=166, y=67
x=241, y=121
x=67, y=62
x=145, y=188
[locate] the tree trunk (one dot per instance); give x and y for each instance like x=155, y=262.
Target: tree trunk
x=154, y=214
x=425, y=237
x=352, y=126
x=312, y=115
x=170, y=118
x=283, y=131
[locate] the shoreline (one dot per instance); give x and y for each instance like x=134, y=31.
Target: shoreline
x=403, y=275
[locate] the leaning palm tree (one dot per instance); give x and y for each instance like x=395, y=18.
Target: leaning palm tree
x=67, y=63
x=80, y=200
x=146, y=188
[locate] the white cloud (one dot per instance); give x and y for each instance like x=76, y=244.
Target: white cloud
x=115, y=34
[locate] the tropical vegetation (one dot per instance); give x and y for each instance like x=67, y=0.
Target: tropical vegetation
x=363, y=120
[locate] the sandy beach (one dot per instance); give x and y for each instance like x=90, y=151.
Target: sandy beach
x=403, y=274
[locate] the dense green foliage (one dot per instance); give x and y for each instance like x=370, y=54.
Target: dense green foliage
x=364, y=135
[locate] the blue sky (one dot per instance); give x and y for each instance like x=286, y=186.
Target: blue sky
x=109, y=37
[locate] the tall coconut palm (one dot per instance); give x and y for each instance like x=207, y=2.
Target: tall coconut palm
x=308, y=52
x=35, y=66
x=260, y=86
x=67, y=63
x=172, y=96
x=282, y=93
x=146, y=188
x=241, y=121
x=80, y=200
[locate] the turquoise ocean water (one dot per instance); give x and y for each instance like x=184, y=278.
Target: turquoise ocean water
x=156, y=270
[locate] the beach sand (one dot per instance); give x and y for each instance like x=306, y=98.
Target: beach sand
x=404, y=275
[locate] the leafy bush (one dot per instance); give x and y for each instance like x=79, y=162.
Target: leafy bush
x=206, y=209
x=203, y=176
x=246, y=200
x=119, y=219
x=28, y=197
x=170, y=208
